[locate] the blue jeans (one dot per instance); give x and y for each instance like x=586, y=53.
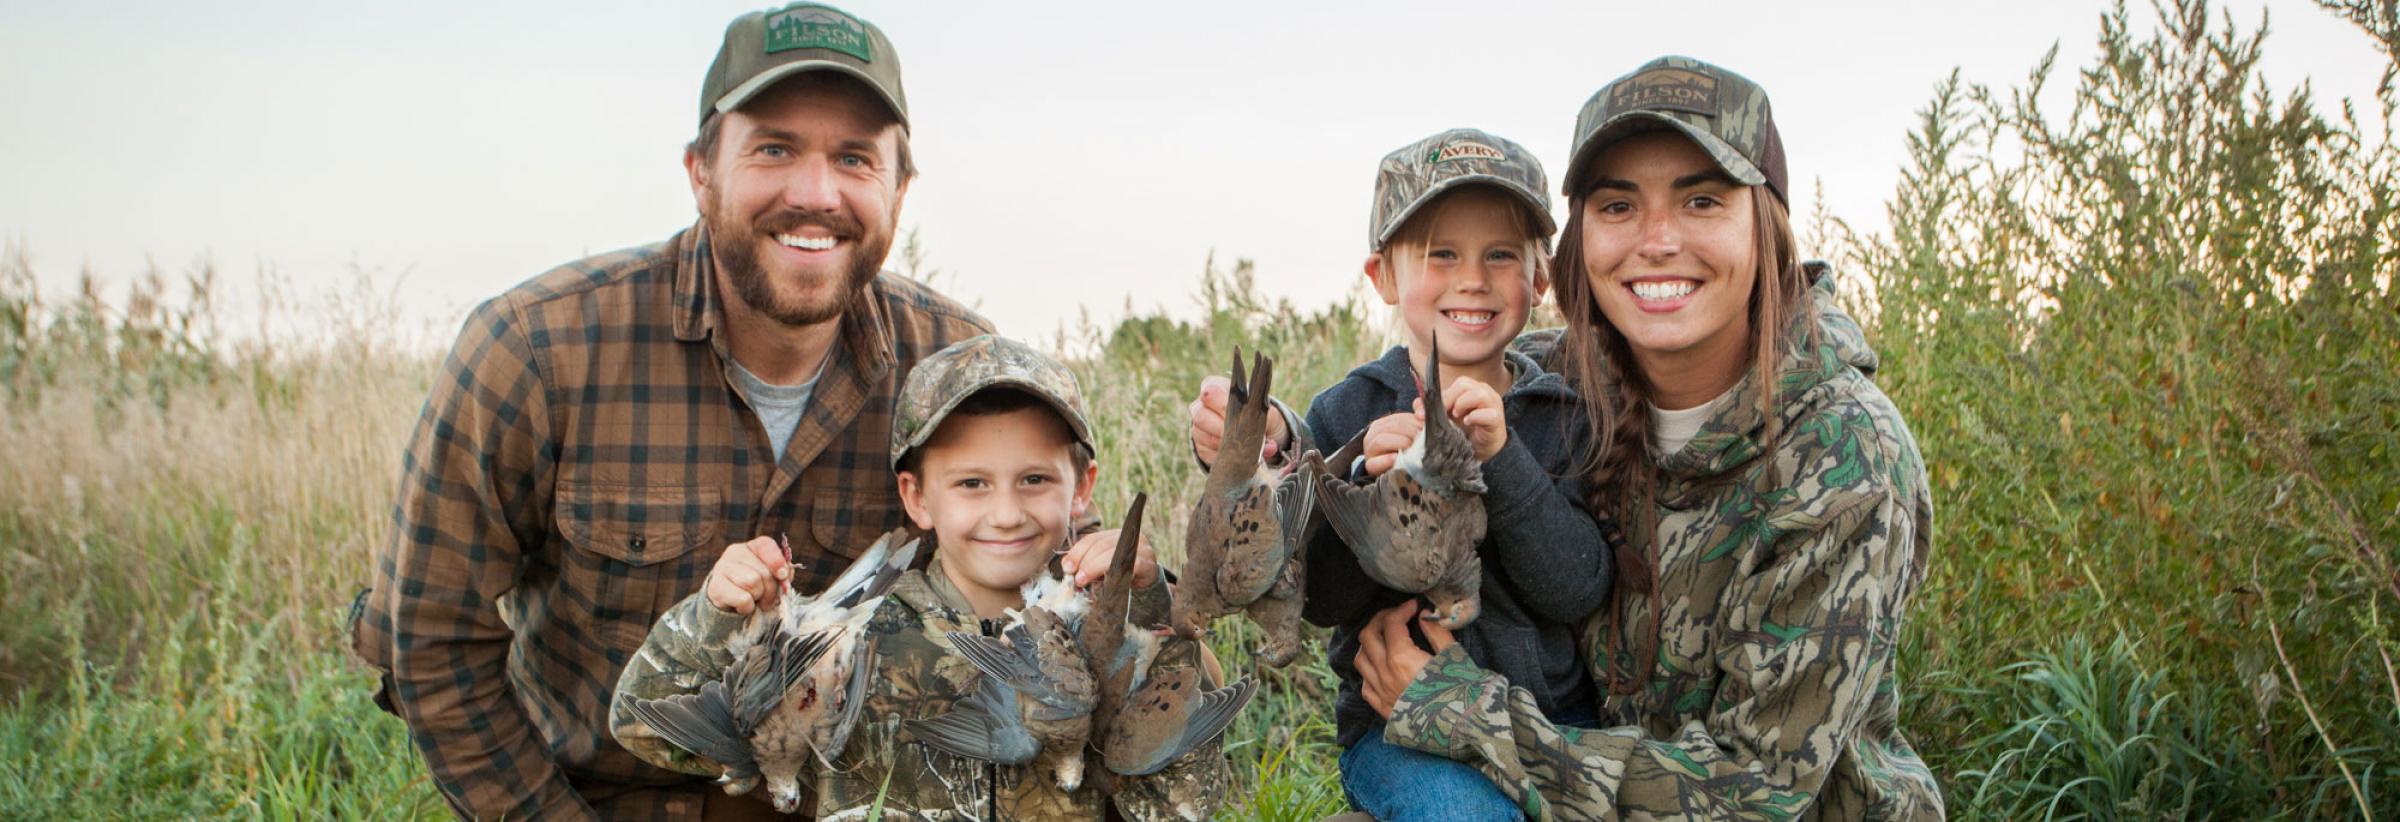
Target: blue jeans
x=1398, y=784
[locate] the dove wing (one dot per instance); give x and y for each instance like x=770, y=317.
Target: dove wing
x=701, y=723
x=777, y=663
x=1296, y=509
x=834, y=735
x=1165, y=720
x=1388, y=524
x=984, y=727
x=1019, y=667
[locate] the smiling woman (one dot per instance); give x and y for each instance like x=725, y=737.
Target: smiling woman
x=1745, y=654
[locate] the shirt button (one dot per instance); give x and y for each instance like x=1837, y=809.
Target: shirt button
x=637, y=543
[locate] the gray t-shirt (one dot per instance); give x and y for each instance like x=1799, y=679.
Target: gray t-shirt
x=778, y=406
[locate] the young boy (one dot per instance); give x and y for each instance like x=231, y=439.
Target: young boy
x=994, y=457
x=1460, y=234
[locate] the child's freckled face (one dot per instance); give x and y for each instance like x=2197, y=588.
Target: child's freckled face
x=1470, y=281
x=1000, y=492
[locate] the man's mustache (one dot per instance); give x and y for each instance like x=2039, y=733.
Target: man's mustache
x=785, y=222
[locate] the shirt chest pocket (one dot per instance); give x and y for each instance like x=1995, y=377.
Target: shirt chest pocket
x=632, y=551
x=844, y=521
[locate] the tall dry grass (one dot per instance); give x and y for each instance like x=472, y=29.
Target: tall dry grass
x=2150, y=347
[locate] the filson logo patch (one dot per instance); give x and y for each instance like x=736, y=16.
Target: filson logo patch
x=1667, y=88
x=817, y=27
x=1463, y=150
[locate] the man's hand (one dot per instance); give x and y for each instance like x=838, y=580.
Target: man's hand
x=1386, y=438
x=1479, y=414
x=1087, y=560
x=748, y=577
x=1208, y=422
x=1388, y=659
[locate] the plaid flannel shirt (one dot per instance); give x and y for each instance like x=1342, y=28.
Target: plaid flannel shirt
x=581, y=462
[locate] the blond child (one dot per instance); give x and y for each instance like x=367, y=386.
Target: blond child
x=1460, y=238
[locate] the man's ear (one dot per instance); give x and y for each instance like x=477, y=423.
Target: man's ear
x=695, y=167
x=912, y=497
x=1383, y=277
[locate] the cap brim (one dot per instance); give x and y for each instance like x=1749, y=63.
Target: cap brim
x=767, y=79
x=1536, y=201
x=933, y=422
x=1641, y=122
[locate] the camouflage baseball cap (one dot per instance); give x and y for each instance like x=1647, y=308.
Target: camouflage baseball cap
x=1417, y=173
x=942, y=381
x=764, y=47
x=1722, y=111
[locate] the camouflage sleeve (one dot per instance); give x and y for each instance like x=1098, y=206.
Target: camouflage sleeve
x=685, y=648
x=1806, y=641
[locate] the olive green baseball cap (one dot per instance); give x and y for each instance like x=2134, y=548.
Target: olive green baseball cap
x=1722, y=111
x=971, y=366
x=1417, y=173
x=764, y=47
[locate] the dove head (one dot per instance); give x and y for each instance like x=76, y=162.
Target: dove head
x=1067, y=771
x=783, y=788
x=1454, y=613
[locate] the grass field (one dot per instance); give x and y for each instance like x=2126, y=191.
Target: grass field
x=2150, y=347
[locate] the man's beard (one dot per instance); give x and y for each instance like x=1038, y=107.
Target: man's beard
x=735, y=244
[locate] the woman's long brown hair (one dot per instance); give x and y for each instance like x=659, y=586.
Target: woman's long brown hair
x=1620, y=474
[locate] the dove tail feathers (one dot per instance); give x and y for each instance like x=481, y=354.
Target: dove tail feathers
x=1246, y=414
x=874, y=572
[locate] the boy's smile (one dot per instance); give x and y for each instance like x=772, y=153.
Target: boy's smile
x=1000, y=492
x=1468, y=276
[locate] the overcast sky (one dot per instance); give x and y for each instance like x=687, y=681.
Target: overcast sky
x=1073, y=154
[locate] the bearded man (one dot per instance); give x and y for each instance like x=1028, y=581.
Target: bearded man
x=600, y=434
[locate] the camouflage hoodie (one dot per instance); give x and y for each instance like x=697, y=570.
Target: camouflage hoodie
x=917, y=676
x=1786, y=566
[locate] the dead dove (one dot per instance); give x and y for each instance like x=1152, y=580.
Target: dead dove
x=1050, y=688
x=1415, y=527
x=1141, y=724
x=1092, y=691
x=793, y=691
x=1241, y=550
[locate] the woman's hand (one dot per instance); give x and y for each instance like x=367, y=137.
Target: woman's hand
x=1388, y=659
x=1479, y=413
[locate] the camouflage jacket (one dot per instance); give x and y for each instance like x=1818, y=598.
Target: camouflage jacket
x=1786, y=557
x=917, y=676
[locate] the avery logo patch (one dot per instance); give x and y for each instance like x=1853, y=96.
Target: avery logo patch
x=1463, y=150
x=817, y=27
x=1668, y=88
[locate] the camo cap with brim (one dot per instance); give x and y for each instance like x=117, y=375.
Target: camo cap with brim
x=1722, y=111
x=968, y=367
x=1421, y=171
x=763, y=48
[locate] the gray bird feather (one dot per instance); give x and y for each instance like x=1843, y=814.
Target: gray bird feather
x=1415, y=527
x=985, y=727
x=1170, y=717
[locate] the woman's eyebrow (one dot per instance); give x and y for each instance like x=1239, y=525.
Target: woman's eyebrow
x=1715, y=176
